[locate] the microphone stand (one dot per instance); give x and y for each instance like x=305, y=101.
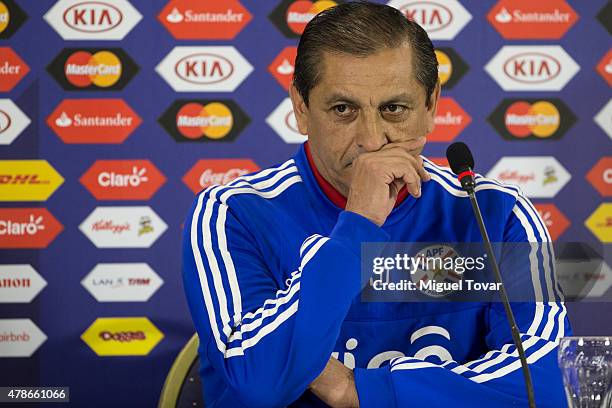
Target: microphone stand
x=468, y=185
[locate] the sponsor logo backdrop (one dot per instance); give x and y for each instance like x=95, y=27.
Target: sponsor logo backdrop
x=114, y=113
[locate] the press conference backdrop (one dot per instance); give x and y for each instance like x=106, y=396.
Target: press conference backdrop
x=114, y=113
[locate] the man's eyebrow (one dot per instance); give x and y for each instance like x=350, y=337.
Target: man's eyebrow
x=403, y=97
x=339, y=97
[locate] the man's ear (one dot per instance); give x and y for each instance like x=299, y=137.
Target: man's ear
x=300, y=110
x=432, y=109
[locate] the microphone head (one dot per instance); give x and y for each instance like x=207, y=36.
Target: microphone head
x=459, y=157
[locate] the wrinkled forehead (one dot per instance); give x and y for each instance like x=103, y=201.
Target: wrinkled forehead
x=378, y=76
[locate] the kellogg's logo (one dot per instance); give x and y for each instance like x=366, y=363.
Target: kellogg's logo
x=204, y=120
x=537, y=176
x=208, y=172
x=123, y=227
x=211, y=68
x=442, y=20
x=204, y=20
x=92, y=19
x=532, y=68
x=92, y=69
x=122, y=179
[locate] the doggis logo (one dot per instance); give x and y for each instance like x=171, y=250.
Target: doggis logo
x=122, y=179
x=532, y=119
x=441, y=19
x=28, y=180
x=291, y=16
x=11, y=18
x=206, y=173
x=122, y=336
x=92, y=69
x=600, y=222
x=526, y=19
x=12, y=69
x=449, y=122
x=92, y=19
x=204, y=120
x=200, y=20
x=93, y=121
x=451, y=67
x=27, y=228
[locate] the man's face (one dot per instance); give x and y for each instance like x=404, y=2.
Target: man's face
x=359, y=105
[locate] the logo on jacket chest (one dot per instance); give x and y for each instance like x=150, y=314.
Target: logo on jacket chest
x=432, y=334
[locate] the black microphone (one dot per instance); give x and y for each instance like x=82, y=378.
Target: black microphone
x=461, y=162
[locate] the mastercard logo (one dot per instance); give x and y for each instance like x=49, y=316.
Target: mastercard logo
x=5, y=17
x=200, y=120
x=445, y=66
x=92, y=69
x=213, y=120
x=532, y=119
x=83, y=69
x=301, y=12
x=541, y=119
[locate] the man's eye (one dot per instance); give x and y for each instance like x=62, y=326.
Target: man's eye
x=342, y=109
x=396, y=109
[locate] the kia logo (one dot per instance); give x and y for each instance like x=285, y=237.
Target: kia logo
x=204, y=68
x=532, y=67
x=92, y=17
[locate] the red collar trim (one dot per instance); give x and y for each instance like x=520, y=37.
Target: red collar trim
x=334, y=195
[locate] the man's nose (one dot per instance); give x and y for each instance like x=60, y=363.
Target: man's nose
x=370, y=133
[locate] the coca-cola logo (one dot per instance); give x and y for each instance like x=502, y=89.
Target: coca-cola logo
x=204, y=68
x=123, y=336
x=208, y=177
x=532, y=67
x=92, y=17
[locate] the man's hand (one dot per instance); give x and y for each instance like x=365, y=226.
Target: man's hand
x=336, y=386
x=379, y=176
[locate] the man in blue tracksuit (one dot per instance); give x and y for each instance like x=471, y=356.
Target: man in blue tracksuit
x=272, y=260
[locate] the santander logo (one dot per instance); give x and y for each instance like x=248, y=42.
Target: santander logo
x=92, y=16
x=532, y=67
x=204, y=68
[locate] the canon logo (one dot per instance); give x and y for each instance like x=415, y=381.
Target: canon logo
x=112, y=179
x=122, y=336
x=209, y=177
x=532, y=67
x=92, y=16
x=15, y=283
x=8, y=227
x=204, y=68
